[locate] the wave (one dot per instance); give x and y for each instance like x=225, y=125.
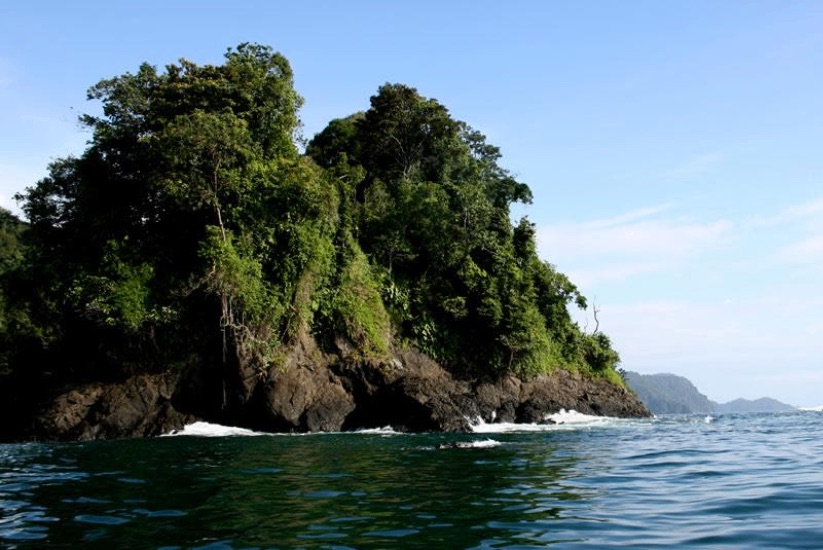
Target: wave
x=562, y=420
x=818, y=408
x=207, y=429
x=385, y=430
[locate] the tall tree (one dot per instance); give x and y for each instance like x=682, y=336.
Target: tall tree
x=190, y=224
x=432, y=210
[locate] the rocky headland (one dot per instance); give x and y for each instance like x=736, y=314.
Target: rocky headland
x=194, y=263
x=410, y=393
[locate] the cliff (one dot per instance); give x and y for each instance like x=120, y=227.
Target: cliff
x=410, y=393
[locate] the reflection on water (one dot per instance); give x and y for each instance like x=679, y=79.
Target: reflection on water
x=737, y=482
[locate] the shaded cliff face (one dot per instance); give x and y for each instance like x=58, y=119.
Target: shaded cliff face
x=412, y=393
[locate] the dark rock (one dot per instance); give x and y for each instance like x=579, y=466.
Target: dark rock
x=139, y=407
x=303, y=399
x=316, y=392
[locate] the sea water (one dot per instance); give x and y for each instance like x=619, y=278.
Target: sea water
x=725, y=481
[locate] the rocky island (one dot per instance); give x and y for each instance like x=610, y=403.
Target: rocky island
x=195, y=263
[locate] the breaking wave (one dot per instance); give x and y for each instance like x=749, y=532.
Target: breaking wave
x=207, y=429
x=562, y=420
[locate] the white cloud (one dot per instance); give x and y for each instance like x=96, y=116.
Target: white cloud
x=635, y=237
x=616, y=271
x=630, y=216
x=759, y=346
x=807, y=250
x=797, y=230
x=629, y=244
x=695, y=166
x=809, y=211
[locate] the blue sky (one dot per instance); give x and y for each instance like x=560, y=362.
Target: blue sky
x=673, y=147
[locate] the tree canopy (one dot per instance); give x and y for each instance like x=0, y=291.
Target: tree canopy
x=193, y=231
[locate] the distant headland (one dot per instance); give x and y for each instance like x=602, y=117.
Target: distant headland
x=672, y=394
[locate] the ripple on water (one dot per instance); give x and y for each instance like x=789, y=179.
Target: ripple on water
x=100, y=520
x=740, y=482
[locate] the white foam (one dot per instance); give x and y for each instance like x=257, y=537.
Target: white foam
x=484, y=444
x=206, y=429
x=562, y=420
x=385, y=430
x=574, y=417
x=818, y=408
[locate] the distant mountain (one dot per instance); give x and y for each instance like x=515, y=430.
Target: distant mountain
x=764, y=404
x=669, y=393
x=672, y=394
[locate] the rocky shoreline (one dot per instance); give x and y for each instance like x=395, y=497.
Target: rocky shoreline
x=410, y=393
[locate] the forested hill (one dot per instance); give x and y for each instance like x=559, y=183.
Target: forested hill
x=672, y=394
x=669, y=393
x=193, y=231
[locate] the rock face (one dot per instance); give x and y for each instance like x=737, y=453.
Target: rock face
x=139, y=407
x=411, y=393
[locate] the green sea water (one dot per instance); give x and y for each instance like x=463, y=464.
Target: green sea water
x=734, y=481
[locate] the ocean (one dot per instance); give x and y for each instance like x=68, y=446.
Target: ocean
x=729, y=481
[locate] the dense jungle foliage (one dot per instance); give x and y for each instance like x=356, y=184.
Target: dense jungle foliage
x=193, y=230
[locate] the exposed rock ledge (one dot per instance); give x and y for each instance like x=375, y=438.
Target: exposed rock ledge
x=412, y=394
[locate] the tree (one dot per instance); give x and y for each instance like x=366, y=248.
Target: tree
x=191, y=233
x=190, y=224
x=432, y=211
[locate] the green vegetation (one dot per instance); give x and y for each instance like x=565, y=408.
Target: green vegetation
x=192, y=231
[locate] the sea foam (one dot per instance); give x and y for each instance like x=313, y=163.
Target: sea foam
x=562, y=420
x=207, y=429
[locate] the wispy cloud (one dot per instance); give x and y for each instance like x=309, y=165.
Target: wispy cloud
x=741, y=340
x=797, y=231
x=807, y=250
x=804, y=212
x=695, y=166
x=734, y=305
x=628, y=244
x=630, y=216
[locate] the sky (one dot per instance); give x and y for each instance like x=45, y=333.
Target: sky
x=673, y=147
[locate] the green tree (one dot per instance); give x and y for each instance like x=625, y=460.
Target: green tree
x=431, y=208
x=191, y=231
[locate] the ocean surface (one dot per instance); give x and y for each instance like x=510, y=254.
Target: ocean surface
x=730, y=481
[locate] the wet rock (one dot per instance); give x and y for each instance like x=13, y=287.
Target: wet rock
x=316, y=392
x=139, y=407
